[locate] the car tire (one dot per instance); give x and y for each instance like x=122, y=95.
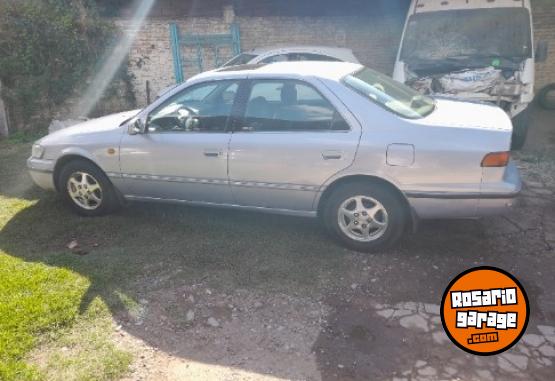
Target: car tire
x=546, y=97
x=86, y=189
x=521, y=123
x=379, y=212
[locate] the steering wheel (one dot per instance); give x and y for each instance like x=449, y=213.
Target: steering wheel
x=183, y=114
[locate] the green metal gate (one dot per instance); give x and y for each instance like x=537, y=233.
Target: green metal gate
x=195, y=53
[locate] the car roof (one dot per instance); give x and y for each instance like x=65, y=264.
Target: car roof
x=316, y=69
x=299, y=48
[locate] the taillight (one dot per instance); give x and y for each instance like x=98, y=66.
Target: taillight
x=496, y=159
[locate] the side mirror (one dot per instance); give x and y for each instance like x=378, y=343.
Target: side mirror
x=542, y=51
x=137, y=127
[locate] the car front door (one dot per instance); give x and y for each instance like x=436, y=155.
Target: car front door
x=290, y=139
x=183, y=153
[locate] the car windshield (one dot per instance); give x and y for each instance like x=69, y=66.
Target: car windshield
x=240, y=59
x=390, y=94
x=460, y=34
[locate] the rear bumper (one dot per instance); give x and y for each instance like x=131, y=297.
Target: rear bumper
x=496, y=206
x=460, y=205
x=496, y=197
x=42, y=172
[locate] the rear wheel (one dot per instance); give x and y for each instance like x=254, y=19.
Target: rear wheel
x=365, y=216
x=546, y=97
x=86, y=189
x=521, y=123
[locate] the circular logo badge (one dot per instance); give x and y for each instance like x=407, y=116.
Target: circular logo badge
x=485, y=311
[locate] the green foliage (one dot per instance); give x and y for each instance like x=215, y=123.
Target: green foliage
x=24, y=137
x=47, y=49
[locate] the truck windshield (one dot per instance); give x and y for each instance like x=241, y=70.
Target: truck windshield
x=469, y=33
x=390, y=94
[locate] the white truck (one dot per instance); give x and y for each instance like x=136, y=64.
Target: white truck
x=476, y=50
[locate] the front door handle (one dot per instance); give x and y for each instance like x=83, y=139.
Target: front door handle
x=212, y=153
x=332, y=155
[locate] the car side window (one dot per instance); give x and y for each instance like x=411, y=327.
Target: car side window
x=200, y=108
x=311, y=57
x=288, y=105
x=275, y=58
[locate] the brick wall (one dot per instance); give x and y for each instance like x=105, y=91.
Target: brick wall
x=150, y=57
x=544, y=25
x=374, y=40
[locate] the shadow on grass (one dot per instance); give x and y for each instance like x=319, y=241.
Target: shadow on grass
x=118, y=252
x=145, y=260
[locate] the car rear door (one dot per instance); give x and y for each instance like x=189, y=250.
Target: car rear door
x=291, y=137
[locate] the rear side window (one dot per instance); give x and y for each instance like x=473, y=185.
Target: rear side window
x=390, y=94
x=287, y=105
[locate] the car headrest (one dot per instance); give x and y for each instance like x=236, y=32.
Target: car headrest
x=289, y=94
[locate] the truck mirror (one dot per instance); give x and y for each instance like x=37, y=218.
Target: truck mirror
x=541, y=51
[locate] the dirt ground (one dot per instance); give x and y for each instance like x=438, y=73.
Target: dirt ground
x=225, y=295
x=379, y=322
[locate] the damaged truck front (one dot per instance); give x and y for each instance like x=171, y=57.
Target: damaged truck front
x=480, y=50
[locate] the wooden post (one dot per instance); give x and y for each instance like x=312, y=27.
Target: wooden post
x=3, y=116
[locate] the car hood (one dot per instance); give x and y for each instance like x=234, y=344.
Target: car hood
x=105, y=124
x=460, y=114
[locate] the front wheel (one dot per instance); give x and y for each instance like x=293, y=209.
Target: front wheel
x=86, y=189
x=365, y=217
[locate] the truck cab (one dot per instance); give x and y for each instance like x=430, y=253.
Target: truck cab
x=479, y=50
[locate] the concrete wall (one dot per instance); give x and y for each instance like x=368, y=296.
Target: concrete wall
x=374, y=40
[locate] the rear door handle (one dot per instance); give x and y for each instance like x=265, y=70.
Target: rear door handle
x=212, y=153
x=332, y=155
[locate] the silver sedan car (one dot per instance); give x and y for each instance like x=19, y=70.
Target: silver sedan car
x=367, y=155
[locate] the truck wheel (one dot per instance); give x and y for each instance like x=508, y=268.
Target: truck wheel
x=86, y=189
x=365, y=216
x=521, y=122
x=546, y=97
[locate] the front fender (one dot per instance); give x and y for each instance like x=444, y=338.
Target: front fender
x=77, y=151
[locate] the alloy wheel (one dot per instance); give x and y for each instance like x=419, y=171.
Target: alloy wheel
x=84, y=190
x=362, y=218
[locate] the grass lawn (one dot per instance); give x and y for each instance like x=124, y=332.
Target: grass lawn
x=39, y=302
x=57, y=306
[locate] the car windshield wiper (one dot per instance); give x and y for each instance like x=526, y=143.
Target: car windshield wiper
x=485, y=57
